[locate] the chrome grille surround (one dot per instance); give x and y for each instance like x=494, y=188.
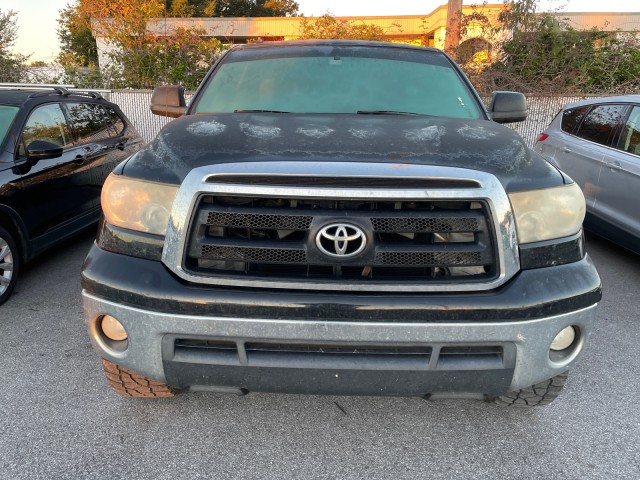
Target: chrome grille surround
x=202, y=181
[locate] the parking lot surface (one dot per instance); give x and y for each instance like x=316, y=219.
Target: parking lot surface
x=59, y=419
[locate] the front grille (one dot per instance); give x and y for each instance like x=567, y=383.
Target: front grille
x=275, y=239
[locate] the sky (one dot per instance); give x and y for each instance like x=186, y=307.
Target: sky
x=37, y=18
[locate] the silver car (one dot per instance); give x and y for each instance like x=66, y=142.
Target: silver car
x=597, y=143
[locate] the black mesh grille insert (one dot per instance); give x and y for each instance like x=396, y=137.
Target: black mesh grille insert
x=280, y=239
x=430, y=259
x=253, y=254
x=414, y=224
x=287, y=222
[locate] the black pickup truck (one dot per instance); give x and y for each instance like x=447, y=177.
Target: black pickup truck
x=340, y=217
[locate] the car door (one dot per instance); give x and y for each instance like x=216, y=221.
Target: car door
x=596, y=134
x=619, y=187
x=42, y=191
x=581, y=160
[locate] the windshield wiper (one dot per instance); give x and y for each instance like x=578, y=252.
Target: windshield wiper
x=384, y=112
x=259, y=111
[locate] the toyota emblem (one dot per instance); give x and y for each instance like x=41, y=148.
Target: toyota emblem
x=341, y=240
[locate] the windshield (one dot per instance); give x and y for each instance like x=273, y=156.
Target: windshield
x=7, y=114
x=344, y=79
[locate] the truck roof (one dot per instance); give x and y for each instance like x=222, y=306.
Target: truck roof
x=329, y=42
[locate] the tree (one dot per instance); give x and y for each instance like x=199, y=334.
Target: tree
x=121, y=21
x=182, y=58
x=232, y=8
x=549, y=57
x=328, y=26
x=179, y=9
x=78, y=49
x=77, y=44
x=519, y=15
x=12, y=65
x=537, y=53
x=140, y=58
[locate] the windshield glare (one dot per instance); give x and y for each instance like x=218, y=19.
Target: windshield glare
x=338, y=80
x=7, y=114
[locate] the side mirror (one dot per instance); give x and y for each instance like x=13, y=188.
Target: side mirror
x=168, y=101
x=43, y=150
x=507, y=107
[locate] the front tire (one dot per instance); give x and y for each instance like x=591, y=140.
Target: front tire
x=9, y=264
x=542, y=393
x=131, y=384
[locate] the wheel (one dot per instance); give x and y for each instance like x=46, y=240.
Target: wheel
x=131, y=384
x=542, y=393
x=9, y=264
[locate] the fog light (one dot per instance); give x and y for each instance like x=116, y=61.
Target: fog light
x=113, y=329
x=564, y=339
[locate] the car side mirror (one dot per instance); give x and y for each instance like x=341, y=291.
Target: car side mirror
x=43, y=150
x=168, y=101
x=508, y=107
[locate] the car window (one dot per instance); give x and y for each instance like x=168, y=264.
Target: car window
x=630, y=138
x=338, y=80
x=7, y=114
x=116, y=123
x=572, y=117
x=47, y=123
x=601, y=124
x=90, y=122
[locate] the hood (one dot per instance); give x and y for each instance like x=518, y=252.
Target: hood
x=198, y=140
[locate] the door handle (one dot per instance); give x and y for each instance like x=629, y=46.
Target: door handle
x=614, y=166
x=87, y=152
x=566, y=150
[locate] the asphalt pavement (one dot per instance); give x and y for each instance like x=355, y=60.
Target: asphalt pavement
x=60, y=420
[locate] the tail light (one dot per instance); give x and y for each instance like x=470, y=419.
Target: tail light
x=542, y=137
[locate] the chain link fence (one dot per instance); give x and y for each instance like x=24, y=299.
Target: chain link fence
x=541, y=110
x=135, y=105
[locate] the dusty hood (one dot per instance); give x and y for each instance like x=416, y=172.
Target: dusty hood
x=199, y=140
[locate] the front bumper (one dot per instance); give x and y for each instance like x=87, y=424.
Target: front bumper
x=404, y=344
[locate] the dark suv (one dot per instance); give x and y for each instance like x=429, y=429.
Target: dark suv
x=57, y=147
x=342, y=218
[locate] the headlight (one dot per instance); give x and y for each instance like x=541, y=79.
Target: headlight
x=137, y=204
x=548, y=213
